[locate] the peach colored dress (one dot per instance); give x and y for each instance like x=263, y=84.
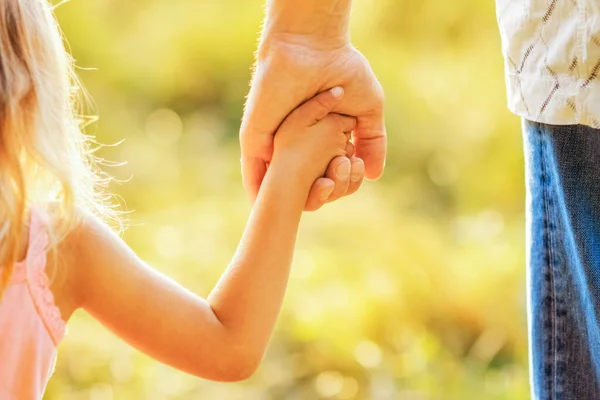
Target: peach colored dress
x=31, y=326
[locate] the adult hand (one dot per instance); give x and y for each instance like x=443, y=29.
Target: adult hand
x=292, y=68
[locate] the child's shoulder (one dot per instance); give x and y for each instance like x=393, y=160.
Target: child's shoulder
x=78, y=243
x=75, y=230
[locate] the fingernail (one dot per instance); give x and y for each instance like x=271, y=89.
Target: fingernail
x=337, y=91
x=343, y=170
x=358, y=171
x=326, y=193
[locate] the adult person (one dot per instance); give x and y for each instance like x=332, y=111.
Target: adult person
x=552, y=59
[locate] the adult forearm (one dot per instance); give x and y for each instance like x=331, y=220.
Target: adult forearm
x=323, y=18
x=248, y=297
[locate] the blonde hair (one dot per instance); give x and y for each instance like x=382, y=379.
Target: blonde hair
x=44, y=156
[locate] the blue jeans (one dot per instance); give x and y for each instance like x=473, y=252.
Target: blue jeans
x=563, y=259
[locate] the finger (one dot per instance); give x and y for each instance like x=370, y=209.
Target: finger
x=253, y=172
x=340, y=122
x=319, y=193
x=357, y=174
x=319, y=106
x=349, y=149
x=339, y=172
x=370, y=143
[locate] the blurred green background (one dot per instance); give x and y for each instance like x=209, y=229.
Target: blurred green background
x=411, y=289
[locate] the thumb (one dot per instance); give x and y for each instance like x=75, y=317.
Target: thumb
x=320, y=106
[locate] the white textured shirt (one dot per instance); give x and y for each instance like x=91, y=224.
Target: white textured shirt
x=552, y=59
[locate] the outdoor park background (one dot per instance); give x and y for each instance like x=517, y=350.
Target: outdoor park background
x=412, y=289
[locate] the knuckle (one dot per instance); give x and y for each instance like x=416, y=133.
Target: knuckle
x=330, y=120
x=327, y=125
x=346, y=123
x=316, y=108
x=322, y=101
x=338, y=122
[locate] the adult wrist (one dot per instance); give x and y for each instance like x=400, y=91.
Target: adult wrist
x=325, y=18
x=278, y=44
x=315, y=24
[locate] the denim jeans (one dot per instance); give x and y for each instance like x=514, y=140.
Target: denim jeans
x=563, y=260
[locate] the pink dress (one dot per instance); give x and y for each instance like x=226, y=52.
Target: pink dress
x=31, y=326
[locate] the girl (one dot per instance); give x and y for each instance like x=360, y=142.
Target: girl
x=51, y=212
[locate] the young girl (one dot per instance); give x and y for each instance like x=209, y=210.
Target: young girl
x=51, y=213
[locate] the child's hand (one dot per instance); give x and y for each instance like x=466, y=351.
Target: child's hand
x=310, y=137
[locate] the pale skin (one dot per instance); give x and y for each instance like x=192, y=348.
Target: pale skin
x=305, y=49
x=222, y=337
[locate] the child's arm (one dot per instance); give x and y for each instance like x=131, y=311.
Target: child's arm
x=225, y=337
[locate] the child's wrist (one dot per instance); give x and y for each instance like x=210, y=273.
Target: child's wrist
x=289, y=172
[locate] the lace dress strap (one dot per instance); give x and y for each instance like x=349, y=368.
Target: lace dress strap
x=37, y=279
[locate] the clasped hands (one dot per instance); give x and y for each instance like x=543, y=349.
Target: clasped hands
x=290, y=70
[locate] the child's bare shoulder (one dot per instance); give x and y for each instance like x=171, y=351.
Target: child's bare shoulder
x=73, y=255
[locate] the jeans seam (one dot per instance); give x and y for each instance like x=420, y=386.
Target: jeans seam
x=548, y=247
